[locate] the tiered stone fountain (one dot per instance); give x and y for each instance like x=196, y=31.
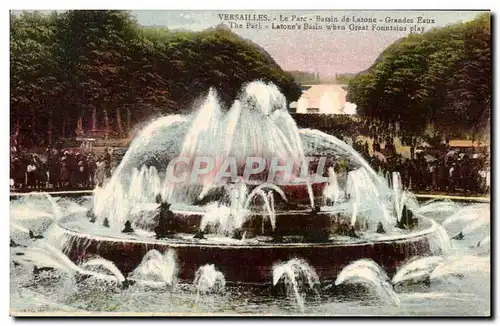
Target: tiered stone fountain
x=246, y=224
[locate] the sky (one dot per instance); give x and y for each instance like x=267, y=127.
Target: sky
x=323, y=51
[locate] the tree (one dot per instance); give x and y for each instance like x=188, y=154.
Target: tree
x=441, y=77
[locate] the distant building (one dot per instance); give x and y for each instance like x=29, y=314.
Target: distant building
x=323, y=99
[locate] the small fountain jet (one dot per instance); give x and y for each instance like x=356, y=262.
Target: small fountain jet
x=165, y=219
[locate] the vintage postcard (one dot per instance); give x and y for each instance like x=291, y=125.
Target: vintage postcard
x=263, y=163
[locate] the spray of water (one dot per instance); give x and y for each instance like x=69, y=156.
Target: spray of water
x=257, y=124
x=367, y=200
x=438, y=210
x=296, y=273
x=439, y=241
x=270, y=186
x=35, y=212
x=470, y=220
x=219, y=216
x=154, y=145
x=368, y=273
x=416, y=269
x=332, y=191
x=157, y=267
x=43, y=254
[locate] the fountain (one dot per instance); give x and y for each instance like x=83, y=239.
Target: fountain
x=241, y=189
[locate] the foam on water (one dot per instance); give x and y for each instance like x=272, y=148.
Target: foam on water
x=19, y=228
x=35, y=212
x=464, y=273
x=486, y=242
x=332, y=191
x=471, y=224
x=437, y=209
x=218, y=215
x=106, y=264
x=461, y=266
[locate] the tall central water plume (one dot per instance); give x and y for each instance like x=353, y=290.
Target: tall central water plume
x=256, y=125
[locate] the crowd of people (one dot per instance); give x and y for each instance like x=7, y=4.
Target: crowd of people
x=57, y=169
x=439, y=170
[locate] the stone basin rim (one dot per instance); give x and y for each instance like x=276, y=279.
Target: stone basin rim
x=178, y=244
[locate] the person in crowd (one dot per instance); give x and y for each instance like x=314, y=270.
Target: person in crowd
x=31, y=174
x=64, y=173
x=91, y=169
x=18, y=173
x=55, y=169
x=454, y=174
x=41, y=175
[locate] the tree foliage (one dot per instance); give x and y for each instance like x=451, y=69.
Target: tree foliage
x=441, y=77
x=101, y=66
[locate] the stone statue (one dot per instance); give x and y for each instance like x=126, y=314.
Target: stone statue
x=166, y=217
x=380, y=228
